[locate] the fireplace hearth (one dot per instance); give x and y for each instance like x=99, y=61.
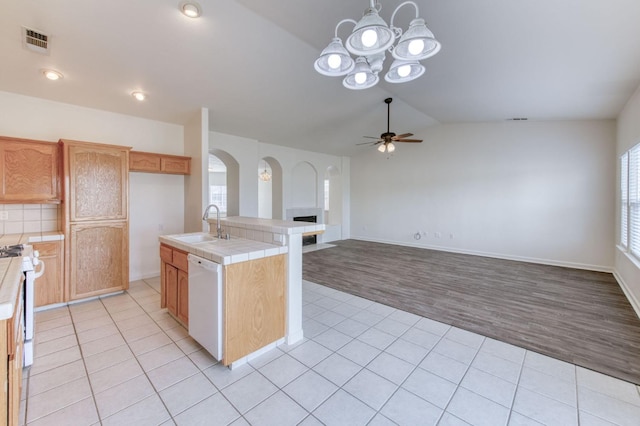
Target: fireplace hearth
x=307, y=239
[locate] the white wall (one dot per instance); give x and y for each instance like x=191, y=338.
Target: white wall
x=150, y=195
x=537, y=191
x=627, y=271
x=196, y=185
x=304, y=186
x=249, y=153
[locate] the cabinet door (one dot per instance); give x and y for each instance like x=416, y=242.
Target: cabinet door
x=144, y=162
x=98, y=183
x=171, y=287
x=176, y=165
x=15, y=381
x=183, y=297
x=99, y=258
x=30, y=172
x=49, y=287
x=254, y=305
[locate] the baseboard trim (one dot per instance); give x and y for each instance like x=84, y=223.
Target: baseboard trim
x=143, y=276
x=633, y=300
x=597, y=268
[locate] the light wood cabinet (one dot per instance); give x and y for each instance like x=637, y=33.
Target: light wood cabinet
x=183, y=297
x=174, y=283
x=50, y=288
x=254, y=306
x=96, y=218
x=150, y=162
x=254, y=301
x=171, y=288
x=30, y=171
x=11, y=354
x=99, y=258
x=98, y=182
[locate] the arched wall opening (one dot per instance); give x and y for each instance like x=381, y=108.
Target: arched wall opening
x=270, y=191
x=224, y=182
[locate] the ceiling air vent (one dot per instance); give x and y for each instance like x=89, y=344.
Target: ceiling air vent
x=35, y=40
x=517, y=119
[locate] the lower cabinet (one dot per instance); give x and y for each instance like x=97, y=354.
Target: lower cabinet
x=183, y=297
x=11, y=353
x=254, y=306
x=175, y=283
x=98, y=258
x=50, y=288
x=254, y=302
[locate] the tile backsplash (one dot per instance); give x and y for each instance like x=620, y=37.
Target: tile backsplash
x=29, y=218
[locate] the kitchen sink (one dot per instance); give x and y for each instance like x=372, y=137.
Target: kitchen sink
x=196, y=238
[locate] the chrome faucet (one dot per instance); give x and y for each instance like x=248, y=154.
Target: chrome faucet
x=206, y=215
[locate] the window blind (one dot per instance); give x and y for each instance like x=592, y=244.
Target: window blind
x=634, y=200
x=624, y=199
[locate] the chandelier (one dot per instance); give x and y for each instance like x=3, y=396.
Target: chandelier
x=265, y=176
x=370, y=38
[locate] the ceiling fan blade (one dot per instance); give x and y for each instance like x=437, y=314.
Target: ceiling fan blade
x=371, y=137
x=406, y=135
x=408, y=140
x=366, y=143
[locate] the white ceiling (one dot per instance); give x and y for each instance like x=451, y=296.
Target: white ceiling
x=251, y=63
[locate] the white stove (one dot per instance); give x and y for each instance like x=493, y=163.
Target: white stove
x=32, y=268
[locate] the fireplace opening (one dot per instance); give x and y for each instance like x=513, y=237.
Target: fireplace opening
x=307, y=239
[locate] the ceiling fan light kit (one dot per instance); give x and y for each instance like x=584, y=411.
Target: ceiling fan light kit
x=386, y=140
x=370, y=39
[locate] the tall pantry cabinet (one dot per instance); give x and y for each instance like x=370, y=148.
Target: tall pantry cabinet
x=96, y=218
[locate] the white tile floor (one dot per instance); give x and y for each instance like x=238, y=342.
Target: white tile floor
x=121, y=360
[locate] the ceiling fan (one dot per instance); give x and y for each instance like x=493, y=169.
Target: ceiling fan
x=386, y=139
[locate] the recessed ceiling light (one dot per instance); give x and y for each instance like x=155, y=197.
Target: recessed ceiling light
x=141, y=96
x=53, y=75
x=190, y=9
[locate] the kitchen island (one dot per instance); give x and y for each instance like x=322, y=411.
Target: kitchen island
x=229, y=293
x=286, y=233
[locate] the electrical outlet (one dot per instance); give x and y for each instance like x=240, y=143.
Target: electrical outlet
x=4, y=215
x=437, y=234
x=451, y=236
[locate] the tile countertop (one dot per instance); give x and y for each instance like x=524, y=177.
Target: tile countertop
x=11, y=268
x=269, y=225
x=224, y=252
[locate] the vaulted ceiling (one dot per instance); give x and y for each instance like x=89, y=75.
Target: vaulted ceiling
x=250, y=62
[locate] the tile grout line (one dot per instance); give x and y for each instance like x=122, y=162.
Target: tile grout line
x=515, y=392
x=219, y=390
x=136, y=356
x=86, y=372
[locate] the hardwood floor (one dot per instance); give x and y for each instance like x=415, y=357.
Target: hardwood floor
x=578, y=316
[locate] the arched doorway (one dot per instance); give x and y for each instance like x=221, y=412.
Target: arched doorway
x=270, y=189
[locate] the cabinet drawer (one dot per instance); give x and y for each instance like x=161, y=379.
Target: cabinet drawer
x=46, y=249
x=175, y=165
x=166, y=254
x=180, y=260
x=143, y=162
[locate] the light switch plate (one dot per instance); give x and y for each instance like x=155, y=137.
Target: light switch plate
x=4, y=215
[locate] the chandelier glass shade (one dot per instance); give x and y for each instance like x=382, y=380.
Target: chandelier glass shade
x=369, y=41
x=265, y=176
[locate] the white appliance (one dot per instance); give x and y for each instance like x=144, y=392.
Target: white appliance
x=29, y=266
x=205, y=304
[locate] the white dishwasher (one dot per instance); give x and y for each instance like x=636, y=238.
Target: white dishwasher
x=205, y=304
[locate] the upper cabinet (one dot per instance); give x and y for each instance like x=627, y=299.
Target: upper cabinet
x=150, y=162
x=29, y=171
x=98, y=181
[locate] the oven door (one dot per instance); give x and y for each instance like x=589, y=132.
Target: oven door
x=31, y=274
